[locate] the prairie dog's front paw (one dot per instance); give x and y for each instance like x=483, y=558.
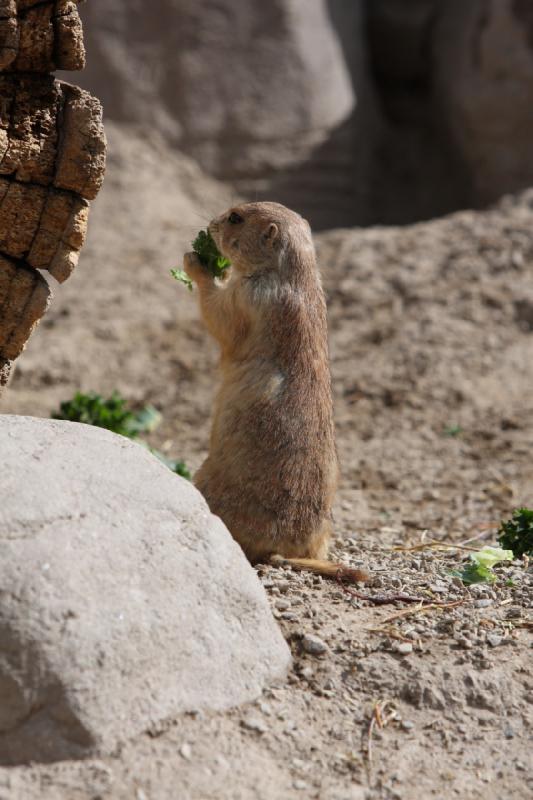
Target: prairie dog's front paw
x=195, y=269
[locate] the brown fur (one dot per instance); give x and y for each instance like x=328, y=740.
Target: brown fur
x=271, y=472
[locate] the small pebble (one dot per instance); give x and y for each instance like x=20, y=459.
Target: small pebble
x=307, y=673
x=185, y=751
x=403, y=648
x=313, y=645
x=254, y=724
x=513, y=613
x=407, y=725
x=494, y=639
x=484, y=602
x=300, y=785
x=282, y=605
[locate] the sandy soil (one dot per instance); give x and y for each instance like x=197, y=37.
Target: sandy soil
x=431, y=331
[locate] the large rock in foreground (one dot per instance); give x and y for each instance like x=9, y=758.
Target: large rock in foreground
x=123, y=601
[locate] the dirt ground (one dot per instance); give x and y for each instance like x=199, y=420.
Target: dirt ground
x=431, y=330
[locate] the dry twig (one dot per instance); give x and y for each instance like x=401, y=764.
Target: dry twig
x=384, y=711
x=397, y=597
x=406, y=612
x=391, y=632
x=433, y=544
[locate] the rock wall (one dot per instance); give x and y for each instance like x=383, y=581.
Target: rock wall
x=52, y=159
x=269, y=96
x=351, y=111
x=483, y=79
x=242, y=87
x=455, y=81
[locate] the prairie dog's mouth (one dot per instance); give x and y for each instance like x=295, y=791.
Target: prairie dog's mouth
x=214, y=230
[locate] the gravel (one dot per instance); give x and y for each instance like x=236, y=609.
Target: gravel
x=314, y=645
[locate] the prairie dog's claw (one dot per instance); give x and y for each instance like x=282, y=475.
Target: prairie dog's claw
x=194, y=268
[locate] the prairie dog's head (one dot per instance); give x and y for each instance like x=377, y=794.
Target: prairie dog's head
x=262, y=236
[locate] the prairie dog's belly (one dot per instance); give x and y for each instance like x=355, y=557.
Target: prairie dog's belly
x=249, y=383
x=249, y=404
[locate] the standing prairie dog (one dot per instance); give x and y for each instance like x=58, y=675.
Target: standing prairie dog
x=272, y=471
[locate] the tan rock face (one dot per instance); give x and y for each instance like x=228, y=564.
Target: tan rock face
x=40, y=37
x=244, y=88
x=484, y=73
x=24, y=297
x=52, y=160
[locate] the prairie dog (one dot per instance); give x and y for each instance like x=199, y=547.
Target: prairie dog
x=272, y=470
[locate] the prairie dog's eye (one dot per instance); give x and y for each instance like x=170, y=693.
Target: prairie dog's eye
x=235, y=218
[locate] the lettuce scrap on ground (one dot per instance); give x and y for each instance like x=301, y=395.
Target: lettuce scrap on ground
x=517, y=533
x=113, y=415
x=205, y=248
x=479, y=568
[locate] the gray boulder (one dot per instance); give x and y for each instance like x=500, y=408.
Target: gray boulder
x=123, y=601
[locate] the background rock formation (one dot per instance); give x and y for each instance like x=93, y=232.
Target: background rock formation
x=352, y=111
x=52, y=155
x=253, y=91
x=242, y=87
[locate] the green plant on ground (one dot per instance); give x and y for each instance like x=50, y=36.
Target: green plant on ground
x=205, y=248
x=113, y=414
x=517, y=533
x=452, y=430
x=110, y=413
x=479, y=568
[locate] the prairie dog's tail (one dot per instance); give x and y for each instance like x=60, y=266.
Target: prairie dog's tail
x=328, y=569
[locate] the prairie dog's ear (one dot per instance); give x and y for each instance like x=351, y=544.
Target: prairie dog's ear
x=270, y=233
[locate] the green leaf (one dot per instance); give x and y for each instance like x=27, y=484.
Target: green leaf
x=181, y=276
x=452, y=430
x=145, y=421
x=489, y=556
x=517, y=533
x=479, y=568
x=205, y=248
x=179, y=467
x=476, y=573
x=92, y=409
